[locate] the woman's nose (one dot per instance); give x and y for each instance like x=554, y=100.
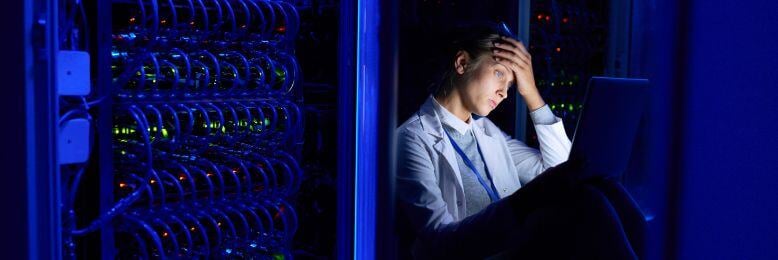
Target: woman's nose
x=501, y=92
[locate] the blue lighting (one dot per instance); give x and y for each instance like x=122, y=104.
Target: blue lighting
x=366, y=130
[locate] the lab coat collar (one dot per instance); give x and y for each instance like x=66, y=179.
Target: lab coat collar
x=430, y=122
x=451, y=120
x=429, y=119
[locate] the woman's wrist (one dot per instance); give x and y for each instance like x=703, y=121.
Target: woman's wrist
x=533, y=100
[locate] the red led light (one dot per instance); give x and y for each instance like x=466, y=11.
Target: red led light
x=548, y=18
x=540, y=17
x=565, y=20
x=558, y=49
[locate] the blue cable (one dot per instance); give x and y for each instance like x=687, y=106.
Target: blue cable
x=141, y=244
x=108, y=215
x=216, y=227
x=261, y=23
x=170, y=232
x=188, y=235
x=145, y=226
x=231, y=16
x=206, y=22
x=181, y=196
x=211, y=193
x=141, y=184
x=189, y=178
x=216, y=172
x=219, y=15
x=241, y=217
x=203, y=232
x=253, y=214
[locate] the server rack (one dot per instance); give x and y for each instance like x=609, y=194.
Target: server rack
x=177, y=129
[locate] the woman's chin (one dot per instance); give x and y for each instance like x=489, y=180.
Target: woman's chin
x=483, y=112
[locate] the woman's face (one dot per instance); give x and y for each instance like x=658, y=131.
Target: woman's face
x=486, y=86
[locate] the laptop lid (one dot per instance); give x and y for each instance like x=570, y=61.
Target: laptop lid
x=608, y=124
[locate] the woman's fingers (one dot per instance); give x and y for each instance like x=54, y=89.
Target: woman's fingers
x=519, y=71
x=520, y=59
x=512, y=53
x=516, y=43
x=509, y=47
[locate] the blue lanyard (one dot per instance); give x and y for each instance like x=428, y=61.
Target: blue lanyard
x=489, y=188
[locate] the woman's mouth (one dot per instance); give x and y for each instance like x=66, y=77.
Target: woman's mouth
x=492, y=103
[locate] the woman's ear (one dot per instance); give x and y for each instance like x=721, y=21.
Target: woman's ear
x=461, y=61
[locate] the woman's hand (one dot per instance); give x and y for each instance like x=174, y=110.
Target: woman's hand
x=512, y=54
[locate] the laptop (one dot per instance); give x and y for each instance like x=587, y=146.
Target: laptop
x=608, y=124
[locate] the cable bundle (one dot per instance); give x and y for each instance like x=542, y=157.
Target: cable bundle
x=206, y=130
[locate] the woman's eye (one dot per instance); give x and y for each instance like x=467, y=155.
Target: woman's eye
x=498, y=73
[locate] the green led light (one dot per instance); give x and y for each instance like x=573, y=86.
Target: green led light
x=570, y=107
x=552, y=84
x=164, y=133
x=267, y=121
x=563, y=105
x=278, y=256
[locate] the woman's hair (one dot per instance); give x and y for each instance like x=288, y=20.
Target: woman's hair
x=477, y=40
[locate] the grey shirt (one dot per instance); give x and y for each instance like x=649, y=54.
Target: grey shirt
x=476, y=195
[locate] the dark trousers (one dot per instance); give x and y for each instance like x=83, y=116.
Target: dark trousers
x=587, y=219
x=555, y=216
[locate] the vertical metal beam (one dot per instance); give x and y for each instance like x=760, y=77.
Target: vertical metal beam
x=386, y=237
x=104, y=157
x=520, y=125
x=43, y=188
x=375, y=122
x=678, y=97
x=16, y=77
x=365, y=167
x=619, y=36
x=346, y=131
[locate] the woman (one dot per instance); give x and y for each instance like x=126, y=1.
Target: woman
x=458, y=173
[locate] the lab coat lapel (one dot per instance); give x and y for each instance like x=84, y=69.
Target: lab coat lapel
x=432, y=125
x=449, y=156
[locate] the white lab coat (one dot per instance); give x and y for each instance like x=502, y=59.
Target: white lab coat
x=429, y=184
